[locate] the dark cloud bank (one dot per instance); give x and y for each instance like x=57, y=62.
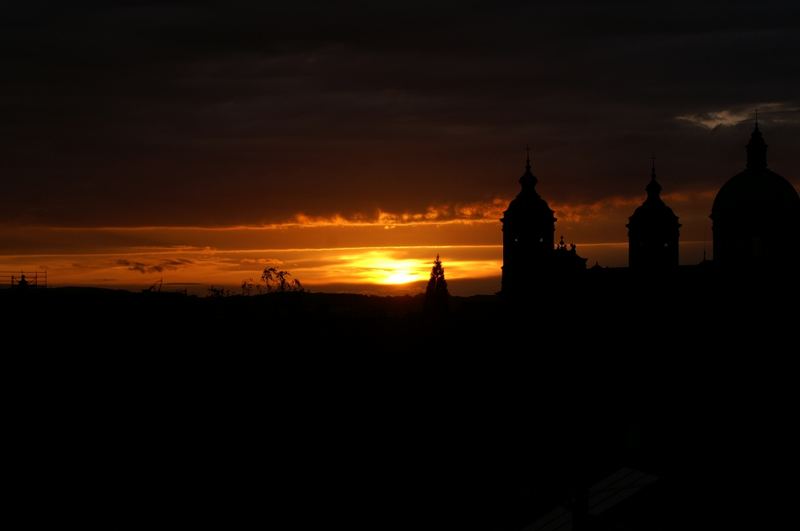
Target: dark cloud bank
x=148, y=113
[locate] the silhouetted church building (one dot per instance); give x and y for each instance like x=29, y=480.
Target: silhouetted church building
x=653, y=232
x=529, y=229
x=756, y=216
x=566, y=259
x=528, y=235
x=756, y=226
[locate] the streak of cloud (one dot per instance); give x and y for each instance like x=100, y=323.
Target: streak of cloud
x=164, y=265
x=779, y=112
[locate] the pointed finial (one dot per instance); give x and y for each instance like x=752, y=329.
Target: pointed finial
x=653, y=166
x=756, y=149
x=756, y=118
x=528, y=180
x=528, y=157
x=653, y=188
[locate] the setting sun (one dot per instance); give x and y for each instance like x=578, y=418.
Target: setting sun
x=381, y=267
x=400, y=277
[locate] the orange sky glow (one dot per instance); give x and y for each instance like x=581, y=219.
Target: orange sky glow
x=385, y=253
x=198, y=144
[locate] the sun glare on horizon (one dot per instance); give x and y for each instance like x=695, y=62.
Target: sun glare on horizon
x=400, y=277
x=381, y=267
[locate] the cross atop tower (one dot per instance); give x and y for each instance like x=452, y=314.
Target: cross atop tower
x=528, y=157
x=653, y=166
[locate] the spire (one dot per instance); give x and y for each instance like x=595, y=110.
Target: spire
x=756, y=150
x=653, y=167
x=528, y=178
x=653, y=188
x=528, y=158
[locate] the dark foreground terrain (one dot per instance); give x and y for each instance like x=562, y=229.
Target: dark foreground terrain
x=308, y=411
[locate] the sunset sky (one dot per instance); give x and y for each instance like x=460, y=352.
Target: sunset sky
x=350, y=142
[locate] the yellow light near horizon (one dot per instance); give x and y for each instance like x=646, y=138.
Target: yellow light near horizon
x=400, y=277
x=393, y=271
x=381, y=267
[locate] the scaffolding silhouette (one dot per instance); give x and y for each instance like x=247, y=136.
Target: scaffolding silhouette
x=21, y=279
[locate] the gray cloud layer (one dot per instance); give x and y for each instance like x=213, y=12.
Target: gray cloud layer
x=177, y=113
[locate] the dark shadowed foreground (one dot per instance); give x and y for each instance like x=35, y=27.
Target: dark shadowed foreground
x=611, y=403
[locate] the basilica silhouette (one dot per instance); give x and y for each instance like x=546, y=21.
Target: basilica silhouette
x=528, y=233
x=653, y=232
x=755, y=216
x=529, y=227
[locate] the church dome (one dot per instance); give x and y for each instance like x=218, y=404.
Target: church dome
x=756, y=190
x=654, y=209
x=756, y=217
x=528, y=232
x=653, y=232
x=528, y=205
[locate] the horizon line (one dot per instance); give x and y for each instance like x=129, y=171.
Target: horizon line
x=179, y=250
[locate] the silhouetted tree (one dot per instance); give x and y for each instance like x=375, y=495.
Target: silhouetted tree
x=279, y=281
x=247, y=287
x=436, y=295
x=217, y=292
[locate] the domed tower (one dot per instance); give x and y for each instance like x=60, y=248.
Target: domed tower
x=653, y=232
x=756, y=216
x=528, y=232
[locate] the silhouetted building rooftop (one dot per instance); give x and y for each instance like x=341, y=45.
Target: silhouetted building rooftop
x=653, y=232
x=756, y=216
